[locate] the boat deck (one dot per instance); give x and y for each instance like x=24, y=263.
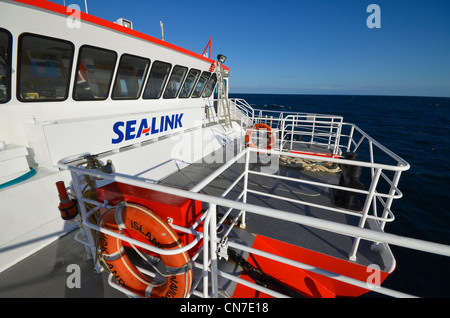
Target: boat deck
x=44, y=274
x=325, y=242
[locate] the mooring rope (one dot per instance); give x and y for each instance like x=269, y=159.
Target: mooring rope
x=309, y=164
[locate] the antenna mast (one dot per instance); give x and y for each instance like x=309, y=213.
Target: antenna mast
x=162, y=30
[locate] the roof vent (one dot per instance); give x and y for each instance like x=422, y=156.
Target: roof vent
x=124, y=22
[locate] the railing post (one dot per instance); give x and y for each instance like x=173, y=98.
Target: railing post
x=205, y=271
x=365, y=211
x=372, y=160
x=292, y=133
x=86, y=232
x=350, y=137
x=213, y=244
x=330, y=136
x=394, y=185
x=244, y=196
x=313, y=129
x=338, y=137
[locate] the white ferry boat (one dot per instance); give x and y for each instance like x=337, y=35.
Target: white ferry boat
x=122, y=156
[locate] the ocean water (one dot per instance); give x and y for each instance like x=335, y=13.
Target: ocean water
x=418, y=130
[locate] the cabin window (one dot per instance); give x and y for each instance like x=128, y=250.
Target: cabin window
x=201, y=84
x=188, y=85
x=44, y=67
x=157, y=80
x=5, y=66
x=210, y=86
x=94, y=73
x=130, y=76
x=176, y=78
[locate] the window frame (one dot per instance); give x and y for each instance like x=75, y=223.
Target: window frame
x=8, y=60
x=207, y=85
x=77, y=69
x=163, y=87
x=204, y=85
x=181, y=82
x=19, y=68
x=144, y=77
x=193, y=84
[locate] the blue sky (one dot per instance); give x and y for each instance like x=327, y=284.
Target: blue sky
x=306, y=46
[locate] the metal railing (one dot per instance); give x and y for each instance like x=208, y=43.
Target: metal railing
x=241, y=109
x=295, y=128
x=336, y=138
x=211, y=240
x=312, y=129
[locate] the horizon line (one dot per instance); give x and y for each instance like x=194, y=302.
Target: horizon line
x=341, y=94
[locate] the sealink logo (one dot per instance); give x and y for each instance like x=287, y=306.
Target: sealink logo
x=132, y=129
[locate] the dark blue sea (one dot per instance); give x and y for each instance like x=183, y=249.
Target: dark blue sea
x=418, y=130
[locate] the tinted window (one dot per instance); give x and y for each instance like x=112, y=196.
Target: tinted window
x=157, y=79
x=130, y=75
x=201, y=84
x=5, y=66
x=94, y=73
x=44, y=66
x=188, y=85
x=176, y=78
x=210, y=86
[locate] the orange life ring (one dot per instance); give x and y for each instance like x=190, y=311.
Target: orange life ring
x=270, y=135
x=139, y=221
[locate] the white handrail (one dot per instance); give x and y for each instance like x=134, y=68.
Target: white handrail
x=344, y=229
x=210, y=237
x=132, y=241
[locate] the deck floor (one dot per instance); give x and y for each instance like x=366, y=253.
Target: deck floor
x=45, y=274
x=325, y=242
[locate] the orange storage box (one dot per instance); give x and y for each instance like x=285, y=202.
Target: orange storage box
x=184, y=212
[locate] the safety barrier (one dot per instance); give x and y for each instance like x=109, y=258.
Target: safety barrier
x=210, y=250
